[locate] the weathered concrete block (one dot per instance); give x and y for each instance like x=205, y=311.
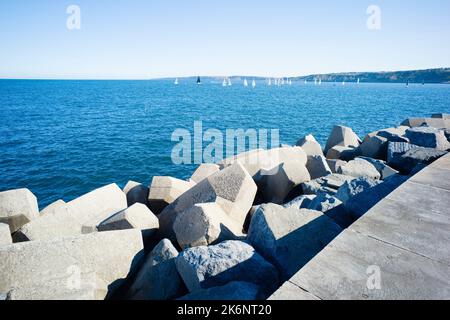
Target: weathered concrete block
x=94, y=207
x=236, y=290
x=441, y=116
x=111, y=255
x=428, y=137
x=301, y=202
x=335, y=164
x=64, y=287
x=333, y=208
x=164, y=191
x=53, y=207
x=57, y=223
x=352, y=188
x=205, y=224
x=329, y=184
x=375, y=147
x=391, y=134
x=318, y=167
x=342, y=153
x=418, y=156
x=395, y=152
x=136, y=193
x=213, y=266
x=5, y=235
x=359, y=168
x=381, y=166
x=342, y=136
x=158, y=278
x=18, y=207
x=430, y=122
x=363, y=202
x=233, y=189
x=289, y=238
x=279, y=183
x=204, y=171
x=138, y=216
x=310, y=145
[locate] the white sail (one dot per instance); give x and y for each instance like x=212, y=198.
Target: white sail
x=315, y=82
x=224, y=83
x=357, y=81
x=269, y=82
x=306, y=81
x=229, y=82
x=245, y=83
x=320, y=82
x=253, y=83
x=176, y=81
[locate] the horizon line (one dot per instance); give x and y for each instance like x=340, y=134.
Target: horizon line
x=210, y=76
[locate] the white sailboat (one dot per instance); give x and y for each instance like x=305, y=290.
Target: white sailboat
x=245, y=83
x=224, y=83
x=357, y=81
x=306, y=81
x=320, y=82
x=269, y=82
x=229, y=82
x=315, y=82
x=254, y=83
x=176, y=81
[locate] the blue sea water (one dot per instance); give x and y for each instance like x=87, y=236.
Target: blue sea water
x=62, y=139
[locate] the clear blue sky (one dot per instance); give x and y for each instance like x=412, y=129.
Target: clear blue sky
x=156, y=38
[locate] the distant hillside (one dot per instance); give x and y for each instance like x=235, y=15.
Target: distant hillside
x=416, y=76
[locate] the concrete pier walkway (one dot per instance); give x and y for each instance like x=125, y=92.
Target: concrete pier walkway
x=399, y=250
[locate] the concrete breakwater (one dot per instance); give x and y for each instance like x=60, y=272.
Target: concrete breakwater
x=237, y=230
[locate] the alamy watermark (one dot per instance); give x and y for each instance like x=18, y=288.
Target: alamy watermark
x=374, y=20
x=73, y=21
x=214, y=145
x=374, y=278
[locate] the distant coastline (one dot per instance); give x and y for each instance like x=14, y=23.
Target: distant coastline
x=437, y=76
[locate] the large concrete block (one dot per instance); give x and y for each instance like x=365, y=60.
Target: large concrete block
x=233, y=189
x=329, y=184
x=289, y=238
x=342, y=136
x=333, y=208
x=205, y=224
x=381, y=166
x=279, y=183
x=111, y=255
x=428, y=137
x=361, y=203
x=213, y=266
x=310, y=145
x=441, y=116
x=57, y=223
x=158, y=278
x=204, y=171
x=396, y=134
x=360, y=168
x=138, y=216
x=53, y=207
x=335, y=164
x=352, y=188
x=318, y=167
x=5, y=235
x=64, y=287
x=136, y=193
x=418, y=157
x=375, y=147
x=164, y=191
x=18, y=207
x=342, y=153
x=94, y=207
x=301, y=202
x=430, y=122
x=236, y=290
